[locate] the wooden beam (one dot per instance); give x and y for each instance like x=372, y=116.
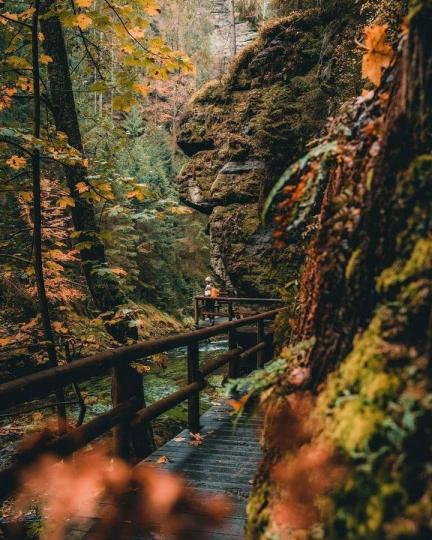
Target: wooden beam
x=193, y=376
x=260, y=339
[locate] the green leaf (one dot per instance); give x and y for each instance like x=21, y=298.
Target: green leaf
x=99, y=86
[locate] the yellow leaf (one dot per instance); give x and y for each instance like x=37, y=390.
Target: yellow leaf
x=64, y=202
x=83, y=3
x=59, y=327
x=7, y=341
x=180, y=210
x=54, y=267
x=27, y=13
x=141, y=88
x=162, y=460
x=26, y=196
x=85, y=163
x=18, y=62
x=82, y=187
x=119, y=272
x=123, y=103
x=152, y=8
x=25, y=84
x=16, y=162
x=82, y=21
x=10, y=91
x=378, y=53
x=8, y=15
x=127, y=49
x=45, y=59
x=136, y=32
x=6, y=94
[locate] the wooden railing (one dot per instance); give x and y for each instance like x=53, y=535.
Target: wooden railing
x=232, y=304
x=130, y=416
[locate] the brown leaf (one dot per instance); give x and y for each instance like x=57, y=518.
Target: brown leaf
x=162, y=460
x=378, y=53
x=196, y=439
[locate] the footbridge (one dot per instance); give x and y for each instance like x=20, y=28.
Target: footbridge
x=224, y=461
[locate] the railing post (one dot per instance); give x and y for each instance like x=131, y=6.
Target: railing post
x=260, y=339
x=193, y=375
x=232, y=344
x=196, y=311
x=128, y=383
x=230, y=310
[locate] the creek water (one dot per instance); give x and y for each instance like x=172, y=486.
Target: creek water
x=158, y=383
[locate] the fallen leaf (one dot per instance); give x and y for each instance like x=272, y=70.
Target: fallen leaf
x=163, y=460
x=196, y=439
x=238, y=405
x=83, y=21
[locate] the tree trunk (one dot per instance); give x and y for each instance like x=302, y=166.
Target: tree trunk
x=105, y=291
x=37, y=218
x=233, y=28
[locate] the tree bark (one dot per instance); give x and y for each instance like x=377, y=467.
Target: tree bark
x=233, y=28
x=106, y=292
x=37, y=216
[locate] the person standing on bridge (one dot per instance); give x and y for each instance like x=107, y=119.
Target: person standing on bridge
x=210, y=293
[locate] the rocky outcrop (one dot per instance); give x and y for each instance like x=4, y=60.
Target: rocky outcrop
x=243, y=131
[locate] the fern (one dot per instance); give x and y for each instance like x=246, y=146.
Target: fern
x=323, y=149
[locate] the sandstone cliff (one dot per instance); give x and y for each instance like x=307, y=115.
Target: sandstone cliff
x=242, y=131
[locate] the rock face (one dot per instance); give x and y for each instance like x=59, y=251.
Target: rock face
x=222, y=40
x=244, y=130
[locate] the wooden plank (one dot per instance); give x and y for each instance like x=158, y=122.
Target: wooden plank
x=225, y=463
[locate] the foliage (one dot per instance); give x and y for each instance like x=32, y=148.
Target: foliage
x=124, y=73
x=323, y=149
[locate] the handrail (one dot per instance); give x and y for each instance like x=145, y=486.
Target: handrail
x=130, y=408
x=32, y=386
x=240, y=300
x=200, y=306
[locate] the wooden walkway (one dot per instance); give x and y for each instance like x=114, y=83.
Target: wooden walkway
x=224, y=463
x=226, y=460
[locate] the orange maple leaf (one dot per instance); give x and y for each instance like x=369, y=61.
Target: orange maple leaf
x=16, y=162
x=238, y=405
x=378, y=54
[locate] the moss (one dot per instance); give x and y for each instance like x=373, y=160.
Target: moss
x=289, y=115
x=257, y=511
x=236, y=147
x=352, y=264
x=419, y=263
x=211, y=92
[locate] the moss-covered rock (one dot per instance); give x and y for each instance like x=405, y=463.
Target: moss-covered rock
x=244, y=130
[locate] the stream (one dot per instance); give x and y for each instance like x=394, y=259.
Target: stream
x=158, y=383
